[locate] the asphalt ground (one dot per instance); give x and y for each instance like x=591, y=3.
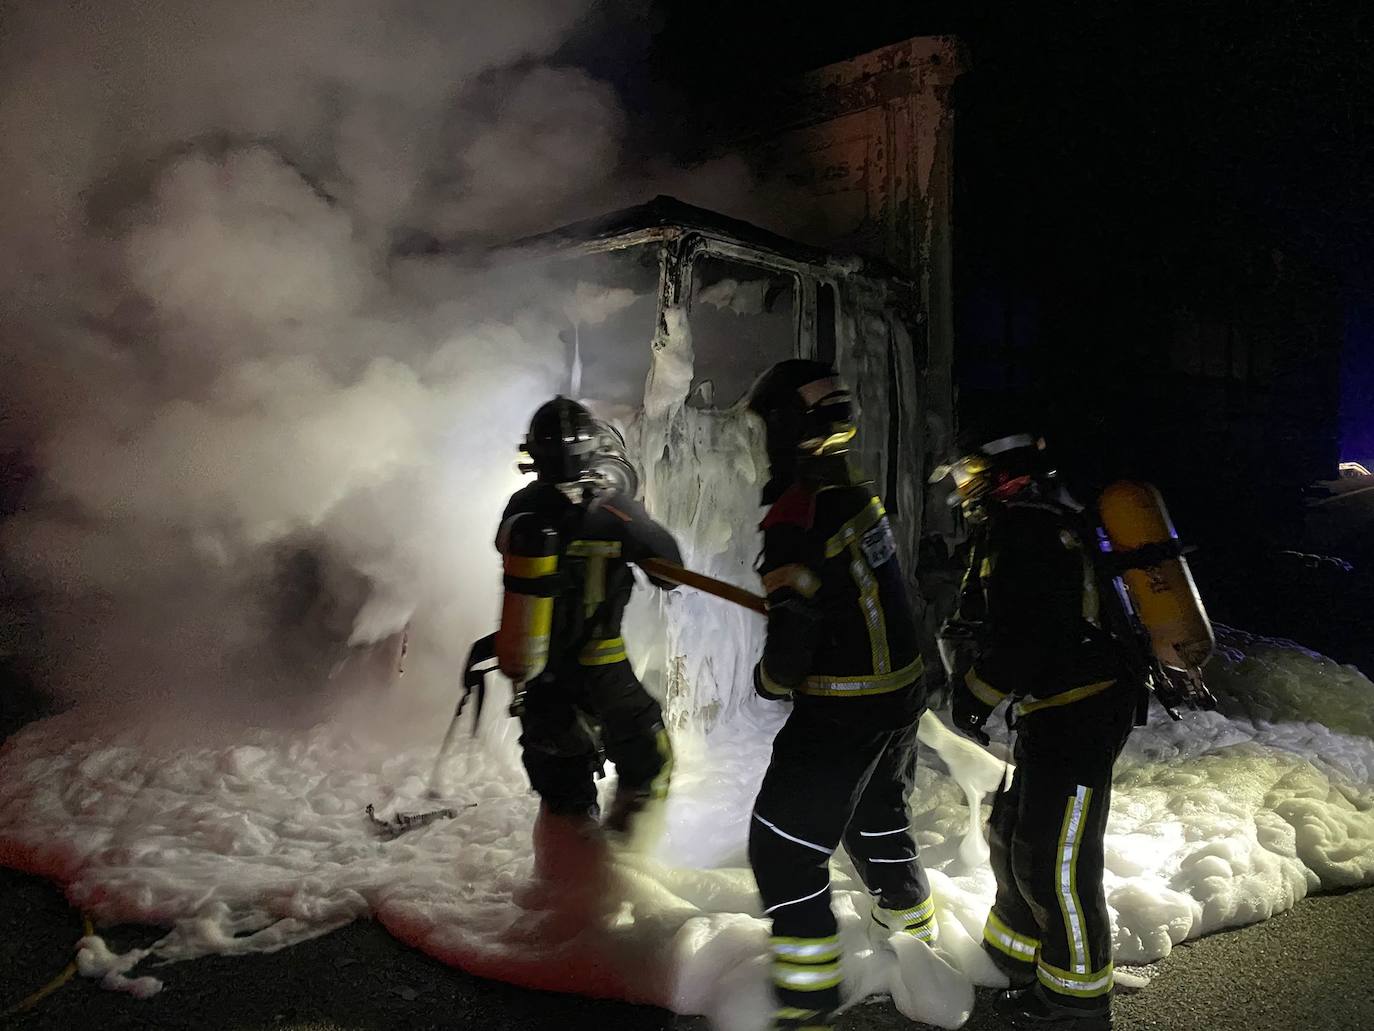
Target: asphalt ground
x=1308, y=968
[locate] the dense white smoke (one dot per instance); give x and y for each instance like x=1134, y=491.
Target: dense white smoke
x=237, y=400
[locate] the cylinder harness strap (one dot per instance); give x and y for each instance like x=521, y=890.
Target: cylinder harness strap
x=1145, y=556
x=1074, y=694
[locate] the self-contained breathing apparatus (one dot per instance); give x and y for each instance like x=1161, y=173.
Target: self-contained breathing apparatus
x=1153, y=609
x=585, y=457
x=529, y=551
x=1155, y=602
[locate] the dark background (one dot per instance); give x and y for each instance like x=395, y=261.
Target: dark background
x=1164, y=248
x=1113, y=170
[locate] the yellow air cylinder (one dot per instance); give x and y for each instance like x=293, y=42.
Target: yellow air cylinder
x=1161, y=589
x=530, y=558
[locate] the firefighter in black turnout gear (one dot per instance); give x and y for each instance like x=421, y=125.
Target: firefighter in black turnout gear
x=587, y=698
x=1029, y=630
x=842, y=646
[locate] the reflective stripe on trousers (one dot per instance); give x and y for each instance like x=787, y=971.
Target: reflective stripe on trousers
x=917, y=921
x=806, y=964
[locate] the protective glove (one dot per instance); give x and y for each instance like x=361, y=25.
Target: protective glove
x=970, y=714
x=763, y=691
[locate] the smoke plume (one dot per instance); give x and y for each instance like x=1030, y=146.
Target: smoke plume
x=249, y=423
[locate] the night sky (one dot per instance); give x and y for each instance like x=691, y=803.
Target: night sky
x=1117, y=177
x=1110, y=168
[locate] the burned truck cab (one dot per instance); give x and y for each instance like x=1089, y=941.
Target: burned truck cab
x=672, y=313
x=721, y=301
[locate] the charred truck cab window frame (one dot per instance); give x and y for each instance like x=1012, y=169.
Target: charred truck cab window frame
x=744, y=316
x=864, y=318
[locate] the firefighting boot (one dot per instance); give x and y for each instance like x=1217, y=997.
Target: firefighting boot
x=918, y=921
x=787, y=1018
x=635, y=821
x=1020, y=973
x=624, y=808
x=645, y=764
x=1029, y=1007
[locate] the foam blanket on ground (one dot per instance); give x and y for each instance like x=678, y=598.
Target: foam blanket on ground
x=1220, y=820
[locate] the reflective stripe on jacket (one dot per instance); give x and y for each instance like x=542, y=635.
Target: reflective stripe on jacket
x=840, y=619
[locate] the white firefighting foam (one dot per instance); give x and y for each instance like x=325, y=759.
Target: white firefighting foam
x=1223, y=819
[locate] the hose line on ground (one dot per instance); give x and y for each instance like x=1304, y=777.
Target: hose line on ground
x=68, y=972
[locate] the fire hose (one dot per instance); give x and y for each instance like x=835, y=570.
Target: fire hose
x=953, y=750
x=481, y=660
x=708, y=585
x=975, y=770
x=68, y=972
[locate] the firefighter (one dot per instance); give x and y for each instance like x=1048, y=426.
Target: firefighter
x=842, y=646
x=1028, y=631
x=586, y=699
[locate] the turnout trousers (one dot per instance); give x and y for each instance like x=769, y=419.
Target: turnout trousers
x=571, y=718
x=835, y=778
x=1049, y=924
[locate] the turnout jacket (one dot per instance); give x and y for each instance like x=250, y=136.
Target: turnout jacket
x=1033, y=585
x=840, y=619
x=597, y=539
